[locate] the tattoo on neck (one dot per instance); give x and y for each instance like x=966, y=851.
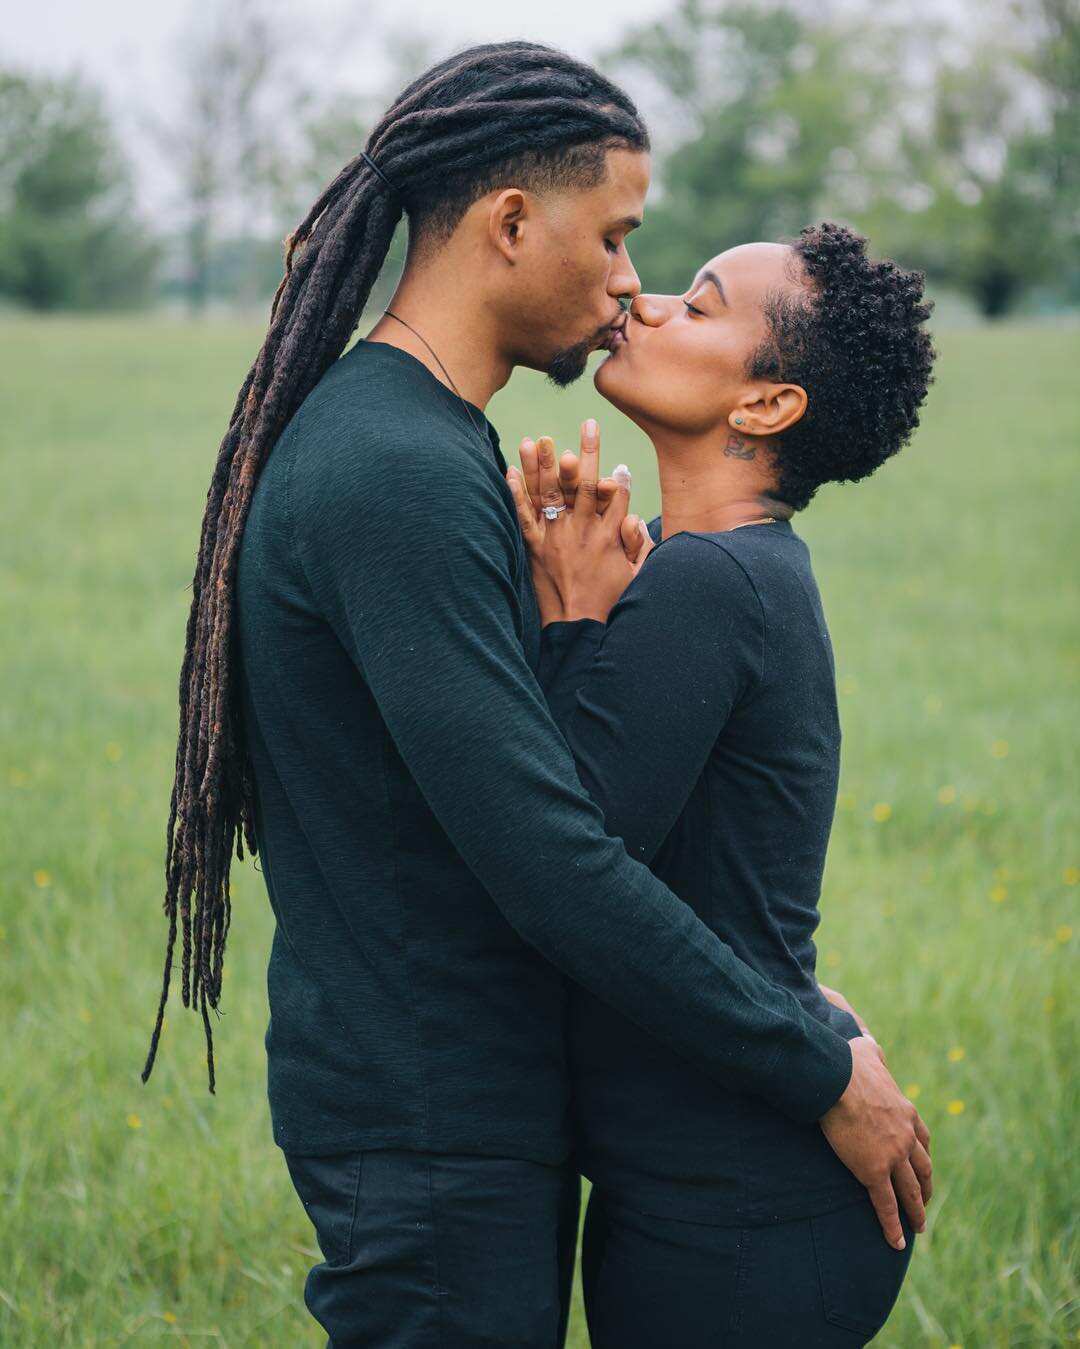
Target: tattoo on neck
x=737, y=448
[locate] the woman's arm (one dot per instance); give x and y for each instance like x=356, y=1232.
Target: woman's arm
x=642, y=698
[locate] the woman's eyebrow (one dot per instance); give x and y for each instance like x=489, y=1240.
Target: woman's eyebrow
x=708, y=275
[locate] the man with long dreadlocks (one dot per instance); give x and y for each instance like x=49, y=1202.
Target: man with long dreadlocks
x=358, y=704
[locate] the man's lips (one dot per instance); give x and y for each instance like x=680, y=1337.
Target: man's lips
x=618, y=337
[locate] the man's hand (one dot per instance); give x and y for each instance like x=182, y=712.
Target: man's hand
x=879, y=1136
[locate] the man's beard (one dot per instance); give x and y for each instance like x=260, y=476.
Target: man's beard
x=569, y=364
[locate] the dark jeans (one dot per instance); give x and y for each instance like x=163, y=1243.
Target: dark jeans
x=815, y=1283
x=451, y=1252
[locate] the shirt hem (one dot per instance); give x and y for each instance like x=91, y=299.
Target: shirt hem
x=547, y=1152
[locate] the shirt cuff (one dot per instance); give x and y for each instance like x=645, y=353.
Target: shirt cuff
x=809, y=1079
x=567, y=651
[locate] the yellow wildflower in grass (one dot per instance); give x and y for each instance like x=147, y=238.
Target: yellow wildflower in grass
x=913, y=1091
x=1048, y=1003
x=1071, y=875
x=134, y=1122
x=1063, y=934
x=999, y=894
x=946, y=795
x=999, y=749
x=955, y=1107
x=114, y=752
x=932, y=705
x=42, y=879
x=956, y=1053
x=882, y=812
x=170, y=1317
x=85, y=1015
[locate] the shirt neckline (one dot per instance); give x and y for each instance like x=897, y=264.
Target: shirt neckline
x=449, y=396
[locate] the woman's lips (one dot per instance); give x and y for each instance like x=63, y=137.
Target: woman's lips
x=617, y=339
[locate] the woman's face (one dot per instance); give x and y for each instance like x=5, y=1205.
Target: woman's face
x=681, y=363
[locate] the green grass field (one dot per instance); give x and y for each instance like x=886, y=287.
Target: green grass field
x=136, y=1212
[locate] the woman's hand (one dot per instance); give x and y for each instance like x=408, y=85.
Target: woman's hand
x=585, y=557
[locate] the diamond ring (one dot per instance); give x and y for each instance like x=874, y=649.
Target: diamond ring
x=553, y=512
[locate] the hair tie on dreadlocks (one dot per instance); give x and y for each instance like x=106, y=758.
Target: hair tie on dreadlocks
x=379, y=173
x=504, y=114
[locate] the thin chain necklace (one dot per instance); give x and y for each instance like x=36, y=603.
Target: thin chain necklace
x=468, y=411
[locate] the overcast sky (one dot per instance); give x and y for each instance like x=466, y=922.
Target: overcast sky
x=125, y=41
x=129, y=46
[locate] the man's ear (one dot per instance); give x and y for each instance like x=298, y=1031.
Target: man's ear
x=507, y=222
x=769, y=409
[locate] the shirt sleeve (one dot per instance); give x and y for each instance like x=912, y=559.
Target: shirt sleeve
x=414, y=557
x=642, y=699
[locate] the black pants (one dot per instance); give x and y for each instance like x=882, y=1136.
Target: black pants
x=815, y=1283
x=429, y=1251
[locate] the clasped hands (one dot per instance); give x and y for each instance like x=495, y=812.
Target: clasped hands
x=584, y=558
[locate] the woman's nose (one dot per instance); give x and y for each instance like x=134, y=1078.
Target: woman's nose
x=653, y=310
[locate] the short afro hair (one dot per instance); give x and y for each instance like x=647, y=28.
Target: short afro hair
x=854, y=341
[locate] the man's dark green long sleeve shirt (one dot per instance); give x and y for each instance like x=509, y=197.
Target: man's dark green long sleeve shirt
x=434, y=865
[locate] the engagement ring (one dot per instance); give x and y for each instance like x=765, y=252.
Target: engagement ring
x=553, y=512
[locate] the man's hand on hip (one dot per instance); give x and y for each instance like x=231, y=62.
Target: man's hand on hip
x=880, y=1137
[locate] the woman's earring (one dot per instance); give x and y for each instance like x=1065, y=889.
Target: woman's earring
x=738, y=421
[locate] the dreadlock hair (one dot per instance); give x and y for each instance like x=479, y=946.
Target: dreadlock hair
x=501, y=114
x=852, y=337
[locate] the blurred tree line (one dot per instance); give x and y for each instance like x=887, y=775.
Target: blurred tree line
x=955, y=145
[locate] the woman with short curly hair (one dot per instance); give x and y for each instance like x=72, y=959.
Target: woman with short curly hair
x=700, y=706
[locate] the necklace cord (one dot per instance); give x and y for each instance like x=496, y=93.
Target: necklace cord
x=468, y=411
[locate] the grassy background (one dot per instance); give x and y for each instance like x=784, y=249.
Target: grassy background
x=133, y=1213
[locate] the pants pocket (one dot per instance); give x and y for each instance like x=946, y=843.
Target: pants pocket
x=328, y=1188
x=860, y=1273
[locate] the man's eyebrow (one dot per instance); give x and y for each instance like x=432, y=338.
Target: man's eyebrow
x=708, y=275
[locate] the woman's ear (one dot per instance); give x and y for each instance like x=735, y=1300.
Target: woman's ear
x=769, y=409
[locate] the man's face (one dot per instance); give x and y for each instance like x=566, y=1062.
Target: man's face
x=681, y=363
x=565, y=300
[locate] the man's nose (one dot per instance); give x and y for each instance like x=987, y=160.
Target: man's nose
x=653, y=310
x=623, y=281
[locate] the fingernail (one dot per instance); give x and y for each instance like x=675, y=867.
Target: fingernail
x=644, y=528
x=621, y=474
x=591, y=427
x=901, y=1245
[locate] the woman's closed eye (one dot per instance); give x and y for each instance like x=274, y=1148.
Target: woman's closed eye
x=693, y=309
